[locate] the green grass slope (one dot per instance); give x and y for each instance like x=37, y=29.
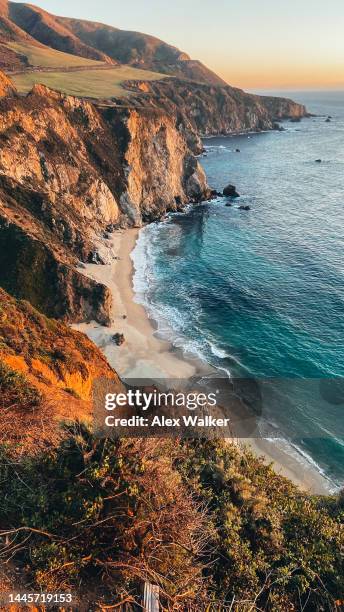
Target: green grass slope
x=49, y=58
x=102, y=83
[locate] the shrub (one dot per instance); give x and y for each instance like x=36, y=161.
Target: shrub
x=276, y=548
x=211, y=524
x=16, y=391
x=109, y=512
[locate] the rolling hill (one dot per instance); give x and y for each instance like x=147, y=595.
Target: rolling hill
x=95, y=41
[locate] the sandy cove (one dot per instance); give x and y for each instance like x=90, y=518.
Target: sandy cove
x=144, y=355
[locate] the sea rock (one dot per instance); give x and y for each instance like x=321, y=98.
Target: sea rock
x=230, y=191
x=215, y=194
x=118, y=339
x=237, y=150
x=246, y=207
x=229, y=204
x=328, y=120
x=318, y=161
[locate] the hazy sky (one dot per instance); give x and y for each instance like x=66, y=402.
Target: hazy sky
x=250, y=43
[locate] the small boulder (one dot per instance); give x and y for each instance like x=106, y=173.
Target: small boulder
x=318, y=161
x=229, y=204
x=230, y=192
x=244, y=207
x=118, y=339
x=215, y=194
x=328, y=120
x=237, y=150
x=95, y=258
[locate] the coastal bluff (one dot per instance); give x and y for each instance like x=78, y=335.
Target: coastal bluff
x=201, y=109
x=71, y=173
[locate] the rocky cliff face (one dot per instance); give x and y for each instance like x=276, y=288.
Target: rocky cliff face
x=6, y=86
x=209, y=110
x=160, y=172
x=69, y=174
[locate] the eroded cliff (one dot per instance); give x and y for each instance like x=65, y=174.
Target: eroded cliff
x=207, y=110
x=70, y=173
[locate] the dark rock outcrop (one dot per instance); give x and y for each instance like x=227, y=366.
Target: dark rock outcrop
x=230, y=191
x=118, y=339
x=30, y=270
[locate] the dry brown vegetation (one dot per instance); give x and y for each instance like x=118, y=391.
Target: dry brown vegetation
x=46, y=375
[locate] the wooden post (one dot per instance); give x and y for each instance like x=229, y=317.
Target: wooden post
x=151, y=598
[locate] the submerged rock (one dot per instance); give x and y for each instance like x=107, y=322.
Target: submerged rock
x=230, y=191
x=318, y=161
x=246, y=207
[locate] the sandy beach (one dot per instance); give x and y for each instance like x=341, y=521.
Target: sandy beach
x=146, y=356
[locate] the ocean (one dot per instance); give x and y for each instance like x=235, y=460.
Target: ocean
x=259, y=294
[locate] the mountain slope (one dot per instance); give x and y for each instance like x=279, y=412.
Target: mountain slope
x=140, y=49
x=105, y=43
x=48, y=30
x=6, y=86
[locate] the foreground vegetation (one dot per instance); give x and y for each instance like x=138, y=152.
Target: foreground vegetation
x=213, y=526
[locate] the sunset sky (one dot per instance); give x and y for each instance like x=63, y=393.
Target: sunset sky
x=253, y=44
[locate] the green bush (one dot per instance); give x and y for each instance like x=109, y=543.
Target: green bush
x=275, y=548
x=105, y=512
x=209, y=523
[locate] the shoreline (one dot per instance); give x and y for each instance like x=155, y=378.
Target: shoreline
x=146, y=356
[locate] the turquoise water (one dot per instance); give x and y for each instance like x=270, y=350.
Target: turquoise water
x=260, y=294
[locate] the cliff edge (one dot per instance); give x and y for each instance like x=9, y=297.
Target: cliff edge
x=71, y=173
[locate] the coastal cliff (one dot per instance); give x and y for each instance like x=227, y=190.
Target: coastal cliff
x=70, y=173
x=206, y=110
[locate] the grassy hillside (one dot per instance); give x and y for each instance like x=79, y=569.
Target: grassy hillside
x=106, y=43
x=103, y=83
x=47, y=30
x=49, y=58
